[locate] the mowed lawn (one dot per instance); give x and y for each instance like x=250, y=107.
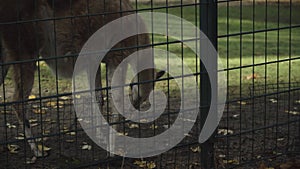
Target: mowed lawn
x=263, y=57
x=256, y=52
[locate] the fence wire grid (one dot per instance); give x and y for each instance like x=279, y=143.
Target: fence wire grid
x=258, y=42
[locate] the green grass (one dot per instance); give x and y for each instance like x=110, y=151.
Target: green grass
x=250, y=51
x=236, y=51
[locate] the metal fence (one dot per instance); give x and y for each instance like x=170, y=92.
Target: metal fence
x=257, y=42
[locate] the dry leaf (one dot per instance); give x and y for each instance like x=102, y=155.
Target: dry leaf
x=33, y=120
x=252, y=76
x=151, y=165
x=293, y=112
x=34, y=124
x=225, y=131
x=39, y=111
x=86, y=147
x=32, y=97
x=122, y=134
x=73, y=133
x=54, y=104
x=20, y=137
x=133, y=126
x=242, y=102
x=141, y=163
x=40, y=147
x=70, y=141
x=235, y=115
x=234, y=161
x=64, y=98
x=153, y=126
x=77, y=96
x=280, y=139
x=222, y=156
x=144, y=121
x=10, y=126
x=196, y=149
x=145, y=164
x=13, y=148
x=273, y=100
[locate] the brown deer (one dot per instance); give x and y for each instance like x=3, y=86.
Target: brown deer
x=24, y=39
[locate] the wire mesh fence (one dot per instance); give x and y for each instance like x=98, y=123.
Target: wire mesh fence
x=257, y=42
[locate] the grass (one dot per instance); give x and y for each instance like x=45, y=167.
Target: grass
x=252, y=58
x=240, y=53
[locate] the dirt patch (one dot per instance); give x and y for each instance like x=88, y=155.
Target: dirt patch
x=251, y=132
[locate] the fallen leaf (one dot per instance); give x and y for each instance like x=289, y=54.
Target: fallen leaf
x=235, y=115
x=252, y=76
x=196, y=149
x=153, y=127
x=34, y=124
x=20, y=137
x=151, y=165
x=40, y=147
x=273, y=100
x=242, y=102
x=222, y=155
x=144, y=121
x=234, y=161
x=133, y=126
x=32, y=97
x=39, y=111
x=53, y=104
x=64, y=98
x=77, y=96
x=33, y=120
x=122, y=134
x=280, y=139
x=140, y=163
x=86, y=147
x=225, y=131
x=13, y=148
x=293, y=112
x=73, y=133
x=10, y=126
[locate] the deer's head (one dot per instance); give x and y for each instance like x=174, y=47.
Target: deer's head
x=142, y=85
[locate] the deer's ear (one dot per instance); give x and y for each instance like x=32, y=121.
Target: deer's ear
x=160, y=74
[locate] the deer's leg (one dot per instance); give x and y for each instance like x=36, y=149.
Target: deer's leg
x=24, y=78
x=3, y=68
x=100, y=102
x=114, y=116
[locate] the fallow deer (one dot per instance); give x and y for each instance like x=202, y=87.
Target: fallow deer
x=24, y=39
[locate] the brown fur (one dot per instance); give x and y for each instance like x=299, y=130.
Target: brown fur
x=25, y=41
